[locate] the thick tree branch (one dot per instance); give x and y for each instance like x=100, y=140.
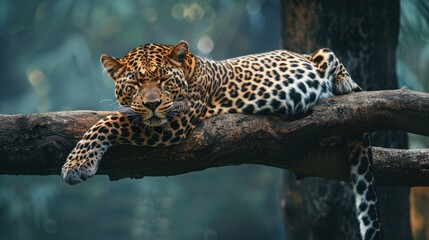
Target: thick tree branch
x=38, y=144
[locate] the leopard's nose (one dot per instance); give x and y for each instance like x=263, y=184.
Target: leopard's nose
x=152, y=105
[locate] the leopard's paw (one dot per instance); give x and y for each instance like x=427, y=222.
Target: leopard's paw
x=81, y=164
x=344, y=86
x=75, y=173
x=343, y=83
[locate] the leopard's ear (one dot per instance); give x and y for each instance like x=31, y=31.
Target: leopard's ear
x=178, y=53
x=111, y=65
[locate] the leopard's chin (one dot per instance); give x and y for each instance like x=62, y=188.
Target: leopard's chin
x=154, y=121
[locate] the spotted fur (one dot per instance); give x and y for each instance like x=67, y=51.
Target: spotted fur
x=165, y=92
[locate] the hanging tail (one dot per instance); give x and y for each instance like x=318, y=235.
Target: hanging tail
x=360, y=157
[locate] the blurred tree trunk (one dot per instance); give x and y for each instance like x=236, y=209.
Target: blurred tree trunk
x=363, y=34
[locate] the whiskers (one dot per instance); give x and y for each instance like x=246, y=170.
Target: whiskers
x=125, y=109
x=178, y=107
x=113, y=103
x=155, y=124
x=135, y=118
x=107, y=100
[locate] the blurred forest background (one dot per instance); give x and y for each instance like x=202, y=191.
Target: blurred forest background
x=50, y=62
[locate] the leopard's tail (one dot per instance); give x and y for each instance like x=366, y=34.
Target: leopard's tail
x=360, y=156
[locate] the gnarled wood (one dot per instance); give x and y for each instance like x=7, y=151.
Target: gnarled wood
x=38, y=144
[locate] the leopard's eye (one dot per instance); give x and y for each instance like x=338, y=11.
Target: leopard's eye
x=130, y=89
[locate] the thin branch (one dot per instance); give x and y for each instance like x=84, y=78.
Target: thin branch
x=38, y=144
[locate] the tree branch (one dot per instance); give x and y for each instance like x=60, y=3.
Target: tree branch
x=38, y=144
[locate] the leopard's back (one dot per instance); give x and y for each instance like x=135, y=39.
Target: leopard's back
x=279, y=82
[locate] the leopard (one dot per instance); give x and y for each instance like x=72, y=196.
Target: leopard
x=164, y=91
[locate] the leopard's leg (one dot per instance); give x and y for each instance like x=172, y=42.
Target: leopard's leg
x=84, y=159
x=360, y=156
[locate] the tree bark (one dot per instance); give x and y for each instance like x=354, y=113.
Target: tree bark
x=38, y=144
x=363, y=34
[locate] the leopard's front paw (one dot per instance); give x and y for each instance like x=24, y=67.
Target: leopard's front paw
x=82, y=163
x=74, y=173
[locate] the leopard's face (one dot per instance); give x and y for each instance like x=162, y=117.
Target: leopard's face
x=149, y=81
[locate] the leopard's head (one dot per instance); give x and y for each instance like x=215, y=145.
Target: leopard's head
x=151, y=80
